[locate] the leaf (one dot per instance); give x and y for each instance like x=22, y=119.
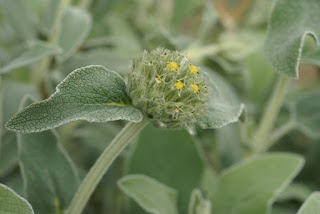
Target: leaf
x=251, y=187
x=49, y=177
x=291, y=21
x=12, y=94
x=224, y=107
x=295, y=191
x=172, y=158
x=198, y=205
x=311, y=205
x=229, y=145
x=90, y=93
x=261, y=76
x=35, y=53
x=150, y=194
x=8, y=153
x=74, y=28
x=11, y=203
x=19, y=19
x=307, y=114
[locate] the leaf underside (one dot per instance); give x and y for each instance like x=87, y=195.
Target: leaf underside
x=311, y=205
x=35, y=53
x=223, y=104
x=290, y=22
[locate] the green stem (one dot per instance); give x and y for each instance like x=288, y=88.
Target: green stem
x=269, y=117
x=101, y=166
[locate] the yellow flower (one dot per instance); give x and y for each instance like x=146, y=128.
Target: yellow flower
x=194, y=69
x=173, y=66
x=158, y=80
x=195, y=87
x=179, y=85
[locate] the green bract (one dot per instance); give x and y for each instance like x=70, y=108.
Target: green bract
x=167, y=88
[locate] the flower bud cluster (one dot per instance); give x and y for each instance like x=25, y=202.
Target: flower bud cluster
x=167, y=88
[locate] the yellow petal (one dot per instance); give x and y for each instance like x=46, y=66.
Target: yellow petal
x=173, y=66
x=194, y=69
x=179, y=85
x=195, y=87
x=158, y=80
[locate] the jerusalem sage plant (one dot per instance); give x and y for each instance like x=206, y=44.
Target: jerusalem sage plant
x=164, y=87
x=184, y=86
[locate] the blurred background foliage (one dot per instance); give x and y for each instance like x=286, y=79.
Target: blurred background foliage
x=223, y=36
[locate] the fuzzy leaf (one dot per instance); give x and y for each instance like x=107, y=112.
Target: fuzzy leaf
x=307, y=114
x=295, y=191
x=224, y=107
x=18, y=18
x=290, y=22
x=252, y=186
x=90, y=93
x=153, y=196
x=46, y=170
x=11, y=203
x=159, y=153
x=311, y=205
x=12, y=93
x=38, y=51
x=74, y=28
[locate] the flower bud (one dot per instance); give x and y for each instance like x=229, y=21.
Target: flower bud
x=167, y=88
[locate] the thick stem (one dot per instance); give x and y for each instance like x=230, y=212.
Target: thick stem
x=101, y=166
x=270, y=115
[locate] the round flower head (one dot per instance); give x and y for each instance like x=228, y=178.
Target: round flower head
x=167, y=88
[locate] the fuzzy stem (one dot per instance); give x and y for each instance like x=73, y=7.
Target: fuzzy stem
x=269, y=117
x=101, y=166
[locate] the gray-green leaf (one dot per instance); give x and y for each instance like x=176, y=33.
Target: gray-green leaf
x=224, y=107
x=307, y=114
x=252, y=186
x=90, y=93
x=12, y=94
x=153, y=196
x=11, y=203
x=49, y=176
x=74, y=28
x=295, y=191
x=159, y=153
x=290, y=22
x=35, y=53
x=19, y=18
x=311, y=205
